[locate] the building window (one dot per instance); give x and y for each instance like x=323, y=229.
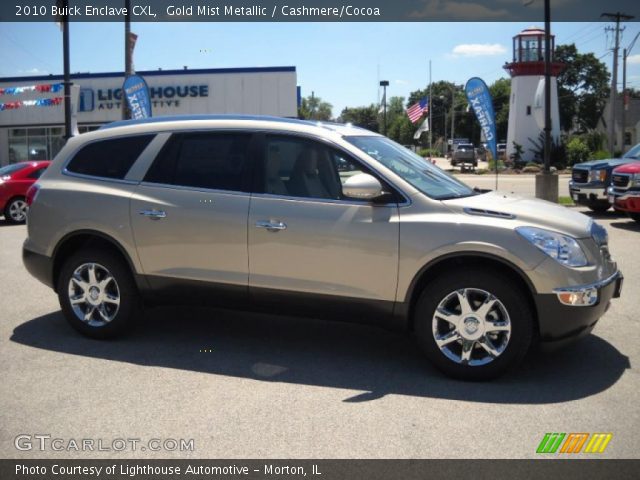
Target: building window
x=627, y=138
x=40, y=143
x=528, y=109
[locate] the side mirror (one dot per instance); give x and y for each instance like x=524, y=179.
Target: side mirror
x=362, y=187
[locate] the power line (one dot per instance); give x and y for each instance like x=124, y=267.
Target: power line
x=21, y=47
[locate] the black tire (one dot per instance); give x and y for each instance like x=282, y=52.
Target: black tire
x=515, y=303
x=10, y=211
x=123, y=315
x=635, y=216
x=599, y=208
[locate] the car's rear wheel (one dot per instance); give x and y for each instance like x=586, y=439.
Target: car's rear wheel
x=97, y=293
x=635, y=216
x=473, y=325
x=16, y=210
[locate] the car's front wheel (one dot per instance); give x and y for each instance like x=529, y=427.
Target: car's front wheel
x=16, y=210
x=599, y=208
x=97, y=293
x=473, y=325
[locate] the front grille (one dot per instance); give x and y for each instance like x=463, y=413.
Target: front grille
x=580, y=175
x=620, y=180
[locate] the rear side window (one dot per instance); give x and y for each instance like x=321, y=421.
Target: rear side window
x=203, y=160
x=37, y=173
x=109, y=158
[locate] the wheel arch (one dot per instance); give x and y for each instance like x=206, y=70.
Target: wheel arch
x=79, y=239
x=444, y=263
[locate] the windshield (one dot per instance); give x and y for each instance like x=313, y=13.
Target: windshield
x=9, y=169
x=466, y=146
x=415, y=170
x=633, y=153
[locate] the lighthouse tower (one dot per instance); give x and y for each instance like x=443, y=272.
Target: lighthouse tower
x=526, y=106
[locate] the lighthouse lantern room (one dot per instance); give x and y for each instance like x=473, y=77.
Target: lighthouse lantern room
x=526, y=105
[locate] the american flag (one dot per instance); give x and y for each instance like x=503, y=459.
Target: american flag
x=416, y=110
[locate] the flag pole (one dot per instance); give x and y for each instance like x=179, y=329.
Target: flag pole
x=430, y=114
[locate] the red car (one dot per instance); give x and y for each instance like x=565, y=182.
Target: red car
x=15, y=180
x=624, y=192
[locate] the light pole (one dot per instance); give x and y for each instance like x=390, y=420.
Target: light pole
x=547, y=87
x=453, y=114
x=384, y=84
x=128, y=70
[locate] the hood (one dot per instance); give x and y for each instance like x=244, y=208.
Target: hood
x=633, y=167
x=524, y=211
x=603, y=164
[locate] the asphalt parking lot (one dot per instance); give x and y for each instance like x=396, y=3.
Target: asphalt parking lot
x=251, y=386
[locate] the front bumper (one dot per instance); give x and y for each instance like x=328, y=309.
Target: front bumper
x=587, y=194
x=560, y=323
x=627, y=200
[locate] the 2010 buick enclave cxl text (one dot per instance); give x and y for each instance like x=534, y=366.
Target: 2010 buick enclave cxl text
x=310, y=218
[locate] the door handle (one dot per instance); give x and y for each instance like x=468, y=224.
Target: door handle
x=271, y=226
x=153, y=214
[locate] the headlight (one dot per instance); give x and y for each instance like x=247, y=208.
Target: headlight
x=559, y=247
x=597, y=175
x=635, y=180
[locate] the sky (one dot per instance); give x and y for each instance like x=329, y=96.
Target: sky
x=340, y=62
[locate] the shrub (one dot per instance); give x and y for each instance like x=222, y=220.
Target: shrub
x=600, y=155
x=429, y=152
x=594, y=140
x=492, y=165
x=558, y=154
x=532, y=168
x=577, y=151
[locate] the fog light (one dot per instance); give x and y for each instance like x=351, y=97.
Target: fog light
x=582, y=298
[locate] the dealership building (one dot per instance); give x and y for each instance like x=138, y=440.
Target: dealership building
x=32, y=132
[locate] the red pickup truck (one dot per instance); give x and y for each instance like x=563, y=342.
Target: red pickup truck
x=624, y=192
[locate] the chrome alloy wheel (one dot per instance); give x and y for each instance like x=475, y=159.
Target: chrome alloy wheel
x=18, y=210
x=94, y=295
x=471, y=327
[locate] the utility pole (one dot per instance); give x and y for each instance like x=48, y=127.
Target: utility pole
x=625, y=98
x=128, y=67
x=614, y=78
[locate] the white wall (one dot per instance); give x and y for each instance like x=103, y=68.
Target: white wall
x=523, y=127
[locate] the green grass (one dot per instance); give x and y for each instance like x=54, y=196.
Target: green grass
x=565, y=201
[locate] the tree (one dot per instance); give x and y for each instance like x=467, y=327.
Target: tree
x=402, y=130
x=501, y=94
x=465, y=124
x=583, y=88
x=365, y=117
x=313, y=108
x=633, y=92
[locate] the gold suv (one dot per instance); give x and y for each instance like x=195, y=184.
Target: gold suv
x=314, y=218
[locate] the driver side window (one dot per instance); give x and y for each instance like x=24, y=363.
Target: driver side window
x=297, y=167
